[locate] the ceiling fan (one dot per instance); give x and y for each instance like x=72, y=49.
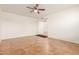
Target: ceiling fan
x=36, y=9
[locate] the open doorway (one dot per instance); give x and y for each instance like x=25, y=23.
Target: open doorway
x=43, y=29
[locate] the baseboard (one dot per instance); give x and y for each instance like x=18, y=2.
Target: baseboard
x=72, y=41
x=16, y=37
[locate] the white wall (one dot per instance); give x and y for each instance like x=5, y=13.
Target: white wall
x=12, y=25
x=65, y=25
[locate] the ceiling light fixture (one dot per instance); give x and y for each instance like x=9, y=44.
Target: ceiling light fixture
x=36, y=11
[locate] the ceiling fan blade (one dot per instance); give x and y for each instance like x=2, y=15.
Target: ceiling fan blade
x=30, y=7
x=38, y=12
x=32, y=11
x=42, y=9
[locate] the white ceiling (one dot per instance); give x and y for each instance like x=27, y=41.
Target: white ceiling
x=22, y=10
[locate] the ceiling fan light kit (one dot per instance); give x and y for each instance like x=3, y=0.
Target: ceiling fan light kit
x=35, y=11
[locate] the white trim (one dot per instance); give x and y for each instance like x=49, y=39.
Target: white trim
x=63, y=39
